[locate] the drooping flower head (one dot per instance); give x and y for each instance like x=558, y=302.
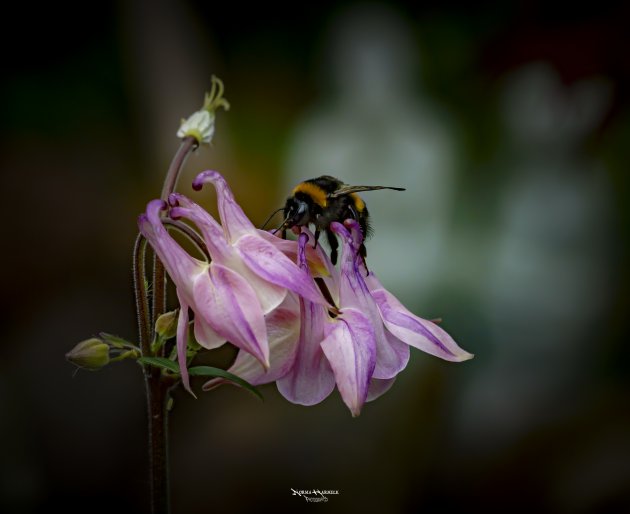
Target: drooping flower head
x=247, y=277
x=359, y=347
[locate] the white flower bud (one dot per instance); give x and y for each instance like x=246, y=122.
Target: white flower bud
x=199, y=125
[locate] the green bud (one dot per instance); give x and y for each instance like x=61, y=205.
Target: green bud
x=166, y=325
x=90, y=354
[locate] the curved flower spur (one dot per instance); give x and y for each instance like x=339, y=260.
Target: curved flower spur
x=247, y=277
x=360, y=347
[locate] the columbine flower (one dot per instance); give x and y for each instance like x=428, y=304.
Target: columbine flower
x=360, y=348
x=200, y=124
x=247, y=277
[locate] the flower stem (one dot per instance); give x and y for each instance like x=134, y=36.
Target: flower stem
x=140, y=293
x=157, y=386
x=187, y=145
x=157, y=396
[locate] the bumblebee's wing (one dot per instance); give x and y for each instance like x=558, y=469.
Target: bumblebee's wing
x=346, y=190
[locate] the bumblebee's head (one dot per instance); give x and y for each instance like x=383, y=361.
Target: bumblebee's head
x=297, y=212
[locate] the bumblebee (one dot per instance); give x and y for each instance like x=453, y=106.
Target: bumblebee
x=322, y=200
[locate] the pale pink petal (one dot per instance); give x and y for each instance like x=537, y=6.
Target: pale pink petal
x=378, y=388
x=181, y=266
x=235, y=222
x=206, y=336
x=413, y=330
x=392, y=356
x=351, y=350
x=182, y=343
x=211, y=231
x=318, y=262
x=283, y=329
x=269, y=294
x=311, y=378
x=230, y=306
x=264, y=259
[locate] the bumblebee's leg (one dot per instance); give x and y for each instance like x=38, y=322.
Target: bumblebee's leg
x=316, y=238
x=334, y=244
x=363, y=254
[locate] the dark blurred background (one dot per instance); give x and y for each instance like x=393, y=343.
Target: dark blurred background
x=509, y=125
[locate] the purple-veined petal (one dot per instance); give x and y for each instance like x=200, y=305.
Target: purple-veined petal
x=413, y=330
x=310, y=380
x=378, y=388
x=269, y=294
x=351, y=350
x=181, y=266
x=283, y=328
x=230, y=306
x=206, y=336
x=322, y=256
x=182, y=343
x=355, y=232
x=235, y=222
x=264, y=259
x=353, y=292
x=392, y=356
x=210, y=229
x=318, y=262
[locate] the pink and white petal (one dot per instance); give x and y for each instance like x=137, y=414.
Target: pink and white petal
x=235, y=222
x=321, y=255
x=318, y=262
x=264, y=259
x=210, y=229
x=353, y=292
x=181, y=266
x=351, y=350
x=355, y=232
x=415, y=331
x=182, y=342
x=392, y=356
x=230, y=306
x=283, y=329
x=311, y=378
x=206, y=336
x=269, y=295
x=378, y=388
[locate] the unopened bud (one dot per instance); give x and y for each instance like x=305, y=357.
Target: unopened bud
x=166, y=325
x=90, y=354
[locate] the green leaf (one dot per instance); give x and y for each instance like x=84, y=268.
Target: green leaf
x=201, y=371
x=160, y=362
x=117, y=341
x=209, y=371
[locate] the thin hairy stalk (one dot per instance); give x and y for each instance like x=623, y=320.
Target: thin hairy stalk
x=140, y=293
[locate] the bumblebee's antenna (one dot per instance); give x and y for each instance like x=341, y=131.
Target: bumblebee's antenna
x=283, y=226
x=269, y=218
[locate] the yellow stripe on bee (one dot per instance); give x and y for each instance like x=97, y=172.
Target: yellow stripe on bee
x=358, y=202
x=315, y=192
